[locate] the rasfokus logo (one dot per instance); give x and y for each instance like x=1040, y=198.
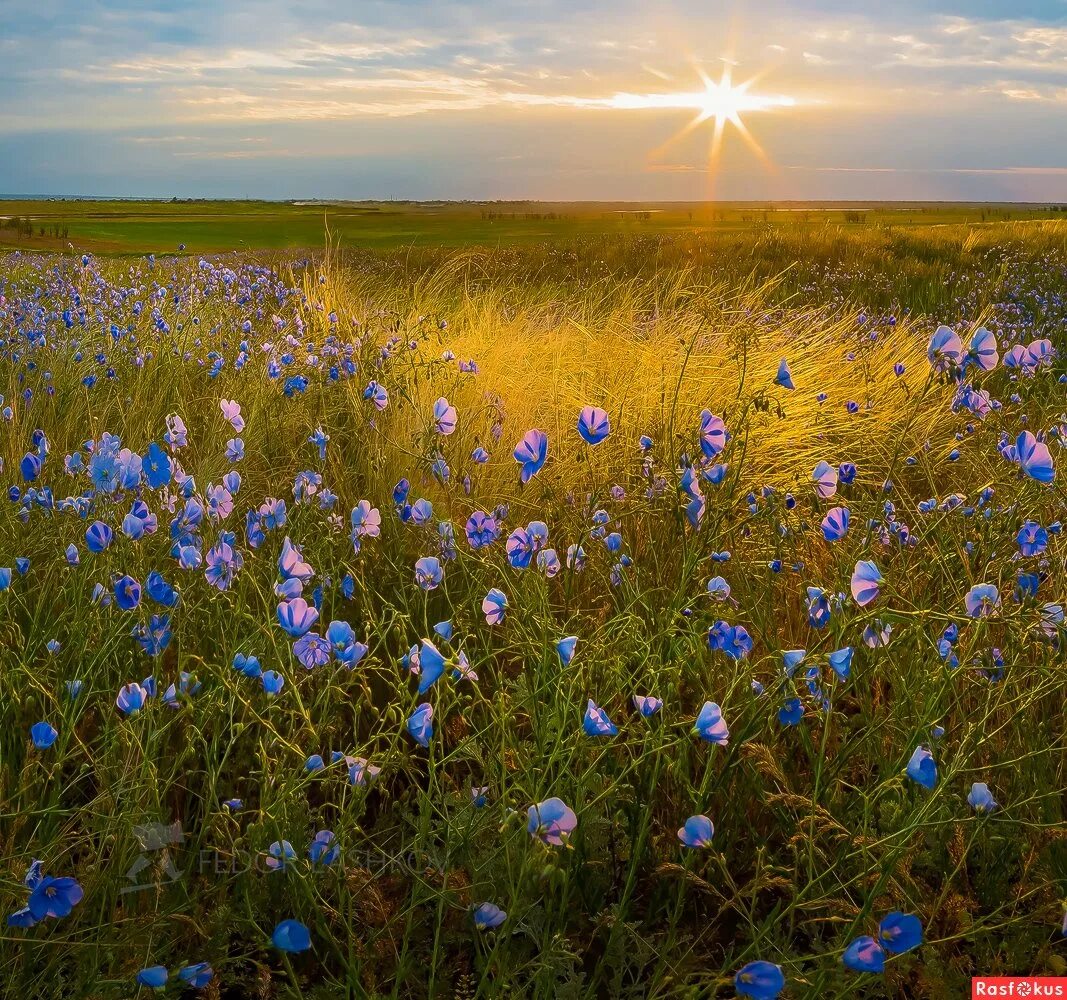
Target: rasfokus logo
x=1024, y=987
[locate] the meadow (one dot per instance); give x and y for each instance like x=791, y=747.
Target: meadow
x=646, y=613
x=141, y=227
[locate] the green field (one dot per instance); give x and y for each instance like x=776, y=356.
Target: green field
x=117, y=227
x=287, y=583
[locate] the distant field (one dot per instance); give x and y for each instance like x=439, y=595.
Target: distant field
x=118, y=227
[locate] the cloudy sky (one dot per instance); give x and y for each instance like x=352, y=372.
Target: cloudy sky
x=549, y=99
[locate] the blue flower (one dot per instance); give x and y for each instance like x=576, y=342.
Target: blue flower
x=866, y=581
x=900, y=932
x=420, y=724
x=127, y=593
x=864, y=955
x=647, y=705
x=552, y=822
x=697, y=831
x=297, y=616
x=324, y=848
x=428, y=572
x=197, y=975
x=154, y=977
x=1034, y=458
x=791, y=712
x=431, y=666
x=784, y=378
x=711, y=726
x=292, y=936
x=841, y=661
x=946, y=349
x=593, y=424
x=488, y=916
x=596, y=721
x=982, y=600
x=922, y=768
x=835, y=524
x=980, y=798
x=43, y=735
x=131, y=698
x=494, y=605
x=98, y=536
x=272, y=681
x=54, y=897
x=530, y=453
x=760, y=980
x=565, y=649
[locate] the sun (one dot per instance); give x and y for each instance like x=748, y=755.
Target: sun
x=722, y=102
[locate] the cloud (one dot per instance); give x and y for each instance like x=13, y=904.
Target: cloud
x=590, y=85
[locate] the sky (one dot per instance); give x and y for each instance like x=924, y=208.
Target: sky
x=541, y=99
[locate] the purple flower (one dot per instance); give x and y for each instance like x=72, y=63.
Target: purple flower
x=530, y=453
x=297, y=616
x=494, y=605
x=444, y=416
x=711, y=726
x=428, y=572
x=593, y=424
x=488, y=916
x=552, y=822
x=866, y=580
x=982, y=600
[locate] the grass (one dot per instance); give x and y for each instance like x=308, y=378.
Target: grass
x=819, y=833
x=124, y=227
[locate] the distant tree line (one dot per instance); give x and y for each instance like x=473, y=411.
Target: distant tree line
x=490, y=216
x=24, y=228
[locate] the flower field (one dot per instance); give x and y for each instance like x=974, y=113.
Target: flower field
x=630, y=618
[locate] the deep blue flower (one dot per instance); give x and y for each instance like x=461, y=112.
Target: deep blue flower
x=760, y=980
x=900, y=932
x=292, y=936
x=864, y=955
x=154, y=977
x=43, y=735
x=54, y=897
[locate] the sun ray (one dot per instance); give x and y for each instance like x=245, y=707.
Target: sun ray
x=722, y=102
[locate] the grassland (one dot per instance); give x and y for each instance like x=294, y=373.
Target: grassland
x=821, y=828
x=116, y=227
